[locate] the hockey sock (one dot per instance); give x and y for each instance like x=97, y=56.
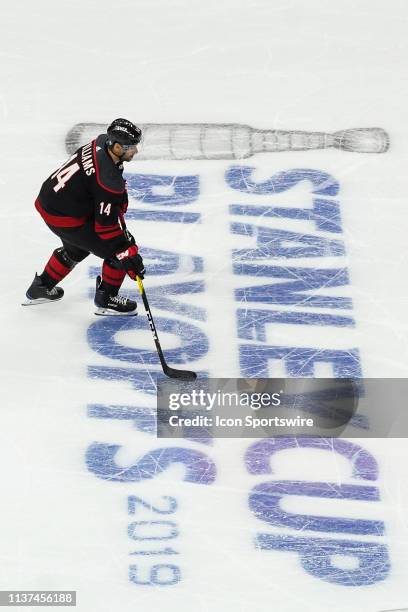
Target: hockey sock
x=59, y=265
x=112, y=277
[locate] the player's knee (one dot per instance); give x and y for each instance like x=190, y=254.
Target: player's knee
x=70, y=257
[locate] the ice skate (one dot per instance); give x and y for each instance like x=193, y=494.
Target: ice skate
x=38, y=293
x=112, y=304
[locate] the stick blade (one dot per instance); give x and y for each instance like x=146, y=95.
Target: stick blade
x=179, y=374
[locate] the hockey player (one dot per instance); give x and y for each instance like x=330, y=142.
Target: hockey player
x=84, y=203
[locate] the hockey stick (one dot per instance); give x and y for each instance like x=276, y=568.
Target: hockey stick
x=170, y=372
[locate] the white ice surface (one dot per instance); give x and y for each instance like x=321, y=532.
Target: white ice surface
x=271, y=64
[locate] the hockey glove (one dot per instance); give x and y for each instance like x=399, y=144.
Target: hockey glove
x=131, y=261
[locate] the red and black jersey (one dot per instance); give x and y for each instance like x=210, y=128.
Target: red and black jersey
x=88, y=186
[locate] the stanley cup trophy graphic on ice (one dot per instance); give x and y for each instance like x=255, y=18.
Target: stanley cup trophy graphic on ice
x=211, y=141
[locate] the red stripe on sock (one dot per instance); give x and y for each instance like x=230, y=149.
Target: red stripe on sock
x=113, y=272
x=112, y=276
x=58, y=266
x=111, y=280
x=52, y=273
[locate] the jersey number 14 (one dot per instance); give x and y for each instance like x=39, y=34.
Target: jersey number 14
x=105, y=208
x=64, y=173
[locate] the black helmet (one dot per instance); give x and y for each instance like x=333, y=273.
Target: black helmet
x=124, y=132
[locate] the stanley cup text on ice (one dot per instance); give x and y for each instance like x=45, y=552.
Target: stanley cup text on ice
x=211, y=141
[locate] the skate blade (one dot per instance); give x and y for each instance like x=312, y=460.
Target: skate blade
x=105, y=312
x=29, y=302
